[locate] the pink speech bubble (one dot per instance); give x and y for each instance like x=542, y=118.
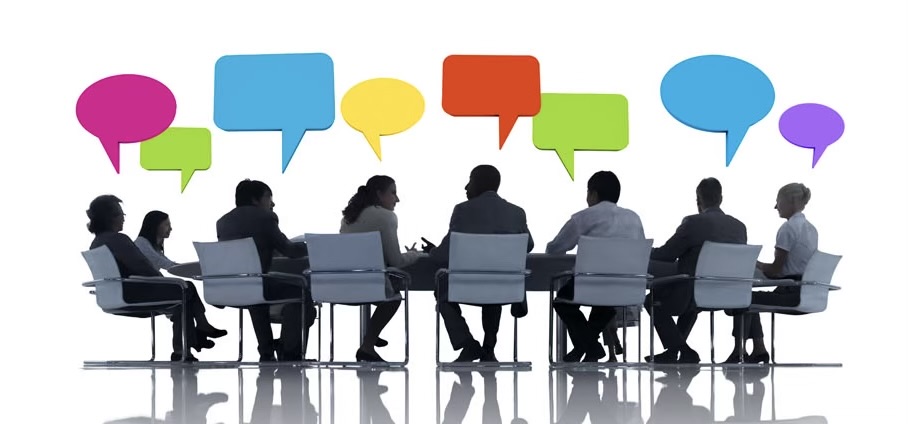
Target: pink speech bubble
x=125, y=109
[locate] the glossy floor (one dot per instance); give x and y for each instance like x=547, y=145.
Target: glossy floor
x=424, y=395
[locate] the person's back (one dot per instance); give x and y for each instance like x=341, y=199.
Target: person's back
x=253, y=221
x=711, y=225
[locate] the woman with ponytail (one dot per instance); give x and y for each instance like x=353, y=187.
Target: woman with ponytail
x=796, y=243
x=372, y=209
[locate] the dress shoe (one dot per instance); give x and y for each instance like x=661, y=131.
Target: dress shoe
x=595, y=353
x=178, y=356
x=203, y=344
x=667, y=357
x=734, y=358
x=488, y=355
x=471, y=352
x=758, y=358
x=689, y=356
x=211, y=332
x=363, y=356
x=575, y=355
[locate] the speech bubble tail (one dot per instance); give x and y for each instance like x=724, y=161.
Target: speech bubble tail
x=185, y=176
x=733, y=139
x=374, y=141
x=817, y=153
x=567, y=159
x=290, y=140
x=113, y=153
x=505, y=125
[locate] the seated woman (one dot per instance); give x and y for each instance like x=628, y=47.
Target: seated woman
x=796, y=243
x=372, y=209
x=106, y=223
x=155, y=228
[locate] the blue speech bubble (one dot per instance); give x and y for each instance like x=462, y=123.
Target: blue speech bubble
x=291, y=93
x=718, y=94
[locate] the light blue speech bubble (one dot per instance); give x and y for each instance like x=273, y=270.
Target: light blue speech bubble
x=291, y=93
x=718, y=94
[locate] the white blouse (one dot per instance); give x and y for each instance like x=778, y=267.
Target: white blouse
x=157, y=259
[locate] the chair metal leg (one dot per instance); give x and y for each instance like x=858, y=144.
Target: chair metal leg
x=551, y=325
x=184, y=311
x=331, y=334
x=319, y=357
x=772, y=338
x=741, y=340
x=240, y=355
x=712, y=337
x=437, y=335
x=515, y=339
x=407, y=328
x=153, y=339
x=624, y=331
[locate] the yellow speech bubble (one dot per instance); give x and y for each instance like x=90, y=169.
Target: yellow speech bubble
x=382, y=106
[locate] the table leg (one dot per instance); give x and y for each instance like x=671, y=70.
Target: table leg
x=364, y=314
x=560, y=340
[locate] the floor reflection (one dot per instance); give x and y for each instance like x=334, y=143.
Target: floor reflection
x=574, y=396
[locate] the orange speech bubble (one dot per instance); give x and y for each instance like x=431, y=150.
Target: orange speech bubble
x=503, y=86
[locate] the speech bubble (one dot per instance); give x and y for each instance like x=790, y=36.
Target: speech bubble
x=125, y=108
x=382, y=106
x=504, y=86
x=178, y=149
x=568, y=122
x=812, y=126
x=718, y=94
x=291, y=93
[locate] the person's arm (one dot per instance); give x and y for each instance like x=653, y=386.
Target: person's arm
x=126, y=252
x=280, y=241
x=679, y=243
x=566, y=239
x=440, y=253
x=785, y=241
x=157, y=259
x=526, y=229
x=391, y=244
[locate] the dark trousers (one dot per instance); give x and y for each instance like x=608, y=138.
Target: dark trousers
x=782, y=296
x=144, y=292
x=584, y=334
x=291, y=320
x=456, y=325
x=673, y=300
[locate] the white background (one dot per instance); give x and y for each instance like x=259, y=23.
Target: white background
x=848, y=55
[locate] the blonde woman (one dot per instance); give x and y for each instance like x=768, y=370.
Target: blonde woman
x=796, y=243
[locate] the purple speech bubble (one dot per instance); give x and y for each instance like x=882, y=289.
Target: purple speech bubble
x=125, y=109
x=812, y=126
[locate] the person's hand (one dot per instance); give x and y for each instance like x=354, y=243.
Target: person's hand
x=411, y=248
x=428, y=246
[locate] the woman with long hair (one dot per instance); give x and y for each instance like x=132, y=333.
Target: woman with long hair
x=155, y=228
x=372, y=209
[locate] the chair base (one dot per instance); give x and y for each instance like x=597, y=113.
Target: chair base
x=658, y=367
x=452, y=366
x=384, y=366
x=598, y=365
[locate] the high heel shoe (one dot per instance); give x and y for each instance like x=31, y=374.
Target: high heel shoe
x=756, y=359
x=735, y=358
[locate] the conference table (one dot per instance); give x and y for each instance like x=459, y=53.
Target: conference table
x=422, y=273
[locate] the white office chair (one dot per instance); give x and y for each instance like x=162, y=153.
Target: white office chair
x=815, y=287
x=607, y=272
x=484, y=269
x=108, y=290
x=349, y=269
x=232, y=276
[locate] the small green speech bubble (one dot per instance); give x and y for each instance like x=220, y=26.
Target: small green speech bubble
x=178, y=149
x=568, y=122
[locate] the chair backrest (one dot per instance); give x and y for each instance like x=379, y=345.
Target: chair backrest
x=820, y=269
x=347, y=268
x=487, y=269
x=722, y=264
x=104, y=269
x=220, y=259
x=614, y=261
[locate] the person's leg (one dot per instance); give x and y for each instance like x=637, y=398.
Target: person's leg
x=261, y=325
x=455, y=324
x=574, y=322
x=291, y=341
x=491, y=321
x=659, y=305
x=383, y=314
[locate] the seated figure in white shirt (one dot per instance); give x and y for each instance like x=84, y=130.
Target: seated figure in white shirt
x=603, y=218
x=796, y=242
x=155, y=228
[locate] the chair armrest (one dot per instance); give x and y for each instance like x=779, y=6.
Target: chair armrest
x=157, y=280
x=401, y=274
x=775, y=283
x=295, y=279
x=671, y=279
x=440, y=272
x=562, y=275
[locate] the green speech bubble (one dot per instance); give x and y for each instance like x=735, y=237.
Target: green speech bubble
x=568, y=122
x=178, y=149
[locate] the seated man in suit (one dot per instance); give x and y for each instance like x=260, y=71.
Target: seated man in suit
x=603, y=218
x=254, y=217
x=677, y=298
x=484, y=212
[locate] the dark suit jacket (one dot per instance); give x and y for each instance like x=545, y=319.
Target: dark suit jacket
x=129, y=258
x=484, y=214
x=261, y=225
x=710, y=225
